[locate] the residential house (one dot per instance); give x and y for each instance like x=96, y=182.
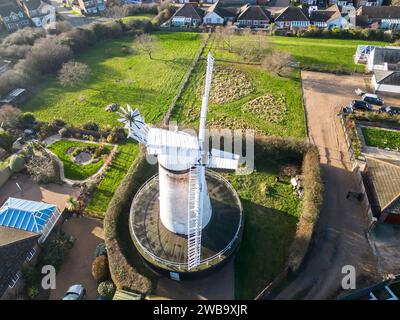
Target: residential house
x=329, y=18
x=382, y=182
x=91, y=7
x=253, y=17
x=386, y=17
x=13, y=16
x=24, y=226
x=37, y=11
x=292, y=18
x=384, y=62
x=218, y=15
x=189, y=15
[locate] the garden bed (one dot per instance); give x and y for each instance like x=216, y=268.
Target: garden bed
x=381, y=138
x=81, y=160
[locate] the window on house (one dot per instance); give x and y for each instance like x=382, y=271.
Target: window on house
x=14, y=280
x=31, y=254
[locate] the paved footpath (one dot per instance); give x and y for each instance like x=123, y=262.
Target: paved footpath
x=340, y=232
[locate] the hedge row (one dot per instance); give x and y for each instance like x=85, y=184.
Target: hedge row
x=352, y=33
x=310, y=208
x=126, y=267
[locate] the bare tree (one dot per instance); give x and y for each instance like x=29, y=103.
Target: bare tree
x=8, y=115
x=279, y=62
x=224, y=35
x=115, y=12
x=147, y=44
x=72, y=73
x=43, y=168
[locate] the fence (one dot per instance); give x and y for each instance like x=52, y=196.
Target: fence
x=185, y=80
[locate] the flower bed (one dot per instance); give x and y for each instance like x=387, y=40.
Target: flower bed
x=269, y=107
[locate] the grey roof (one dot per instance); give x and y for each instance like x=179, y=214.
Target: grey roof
x=12, y=95
x=249, y=12
x=385, y=178
x=391, y=78
x=32, y=4
x=221, y=11
x=190, y=11
x=387, y=55
x=292, y=14
x=380, y=12
x=8, y=6
x=321, y=15
x=15, y=245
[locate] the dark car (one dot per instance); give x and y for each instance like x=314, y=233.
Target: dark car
x=75, y=292
x=389, y=109
x=361, y=105
x=372, y=99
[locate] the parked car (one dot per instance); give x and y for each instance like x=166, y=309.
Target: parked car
x=347, y=109
x=75, y=292
x=372, y=99
x=389, y=109
x=360, y=105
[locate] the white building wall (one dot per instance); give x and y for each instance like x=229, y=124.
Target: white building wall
x=213, y=18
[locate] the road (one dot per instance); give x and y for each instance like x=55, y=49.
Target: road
x=340, y=232
x=73, y=19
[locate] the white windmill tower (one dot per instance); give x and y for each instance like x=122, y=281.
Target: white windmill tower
x=184, y=201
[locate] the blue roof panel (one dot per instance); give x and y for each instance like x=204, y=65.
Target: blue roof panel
x=25, y=214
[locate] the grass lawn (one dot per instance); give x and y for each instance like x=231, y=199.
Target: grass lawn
x=126, y=153
x=72, y=170
x=323, y=54
x=232, y=115
x=271, y=213
x=381, y=138
x=117, y=77
x=138, y=17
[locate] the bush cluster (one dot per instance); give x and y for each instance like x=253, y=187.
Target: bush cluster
x=352, y=33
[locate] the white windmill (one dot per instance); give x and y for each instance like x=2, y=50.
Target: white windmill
x=185, y=206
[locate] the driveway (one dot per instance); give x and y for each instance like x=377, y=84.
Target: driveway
x=50, y=193
x=77, y=268
x=340, y=232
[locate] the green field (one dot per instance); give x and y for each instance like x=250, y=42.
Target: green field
x=331, y=55
x=381, y=138
x=231, y=115
x=121, y=78
x=72, y=170
x=271, y=212
x=126, y=153
x=148, y=17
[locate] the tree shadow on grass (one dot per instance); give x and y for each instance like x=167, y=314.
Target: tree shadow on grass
x=267, y=235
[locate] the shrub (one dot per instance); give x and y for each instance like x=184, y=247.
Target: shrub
x=26, y=120
x=100, y=250
x=73, y=73
x=56, y=250
x=93, y=126
x=6, y=140
x=77, y=39
x=45, y=131
x=15, y=51
x=26, y=36
x=106, y=289
x=58, y=123
x=63, y=132
x=9, y=115
x=47, y=55
x=33, y=292
x=17, y=163
x=100, y=270
x=43, y=168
